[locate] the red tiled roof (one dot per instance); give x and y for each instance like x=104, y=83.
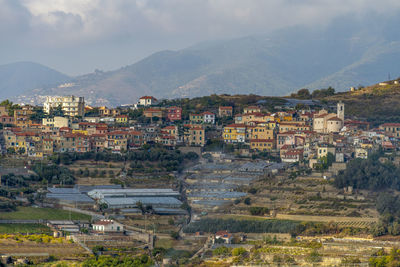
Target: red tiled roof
x=170, y=127
x=390, y=125
x=148, y=97
x=104, y=222
x=262, y=140
x=236, y=125
x=334, y=119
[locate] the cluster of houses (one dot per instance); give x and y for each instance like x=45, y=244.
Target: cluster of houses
x=295, y=135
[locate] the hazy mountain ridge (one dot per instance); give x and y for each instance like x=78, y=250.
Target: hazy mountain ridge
x=275, y=64
x=20, y=77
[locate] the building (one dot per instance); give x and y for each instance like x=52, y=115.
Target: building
x=251, y=109
x=208, y=117
x=3, y=111
x=57, y=122
x=260, y=131
x=147, y=101
x=223, y=235
x=153, y=113
x=325, y=122
x=196, y=118
x=101, y=193
x=119, y=141
x=174, y=113
x=292, y=155
x=5, y=119
x=234, y=133
x=288, y=126
x=104, y=111
x=226, y=111
x=324, y=149
x=262, y=144
x=391, y=129
x=123, y=119
x=71, y=106
x=194, y=135
x=109, y=226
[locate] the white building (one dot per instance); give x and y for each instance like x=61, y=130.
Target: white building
x=108, y=226
x=57, y=122
x=71, y=106
x=147, y=101
x=208, y=117
x=325, y=122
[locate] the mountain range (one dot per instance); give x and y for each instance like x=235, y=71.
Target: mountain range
x=341, y=56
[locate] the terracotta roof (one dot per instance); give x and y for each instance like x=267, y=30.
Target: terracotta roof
x=104, y=222
x=197, y=128
x=148, y=97
x=262, y=140
x=334, y=119
x=170, y=127
x=153, y=110
x=226, y=108
x=390, y=125
x=236, y=125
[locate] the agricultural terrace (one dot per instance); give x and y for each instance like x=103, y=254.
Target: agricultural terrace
x=32, y=213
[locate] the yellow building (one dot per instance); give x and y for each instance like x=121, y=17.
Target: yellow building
x=293, y=126
x=121, y=119
x=262, y=144
x=81, y=132
x=261, y=131
x=234, y=133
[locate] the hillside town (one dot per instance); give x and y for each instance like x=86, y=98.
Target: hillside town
x=302, y=136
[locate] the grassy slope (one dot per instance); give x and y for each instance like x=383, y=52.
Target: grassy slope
x=23, y=228
x=30, y=213
x=377, y=104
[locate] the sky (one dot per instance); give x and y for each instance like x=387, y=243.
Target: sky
x=79, y=36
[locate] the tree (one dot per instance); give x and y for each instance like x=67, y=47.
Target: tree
x=175, y=235
x=57, y=112
x=37, y=115
x=313, y=257
x=302, y=94
x=238, y=251
x=247, y=201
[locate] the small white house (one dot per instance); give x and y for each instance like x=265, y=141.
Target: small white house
x=208, y=117
x=147, y=101
x=108, y=226
x=224, y=235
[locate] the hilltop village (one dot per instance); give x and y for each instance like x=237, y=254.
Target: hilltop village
x=214, y=180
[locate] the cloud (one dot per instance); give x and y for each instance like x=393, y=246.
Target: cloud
x=87, y=20
x=147, y=25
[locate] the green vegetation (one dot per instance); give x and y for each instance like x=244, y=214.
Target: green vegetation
x=369, y=174
x=138, y=261
x=54, y=174
x=382, y=259
x=30, y=213
x=314, y=257
x=321, y=93
x=259, y=210
x=18, y=228
x=161, y=159
x=248, y=226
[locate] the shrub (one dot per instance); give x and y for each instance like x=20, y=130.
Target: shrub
x=238, y=251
